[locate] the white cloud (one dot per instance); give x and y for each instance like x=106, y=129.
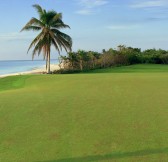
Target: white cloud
x=15, y=36
x=122, y=27
x=88, y=6
x=84, y=12
x=92, y=3
x=149, y=4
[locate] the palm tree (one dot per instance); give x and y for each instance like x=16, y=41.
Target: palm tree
x=49, y=24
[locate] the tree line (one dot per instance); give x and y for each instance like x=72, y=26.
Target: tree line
x=88, y=60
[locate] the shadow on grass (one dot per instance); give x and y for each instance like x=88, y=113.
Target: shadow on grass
x=112, y=156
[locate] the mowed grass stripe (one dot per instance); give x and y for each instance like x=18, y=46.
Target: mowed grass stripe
x=12, y=82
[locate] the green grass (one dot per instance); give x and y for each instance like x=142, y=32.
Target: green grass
x=13, y=82
x=86, y=117
x=139, y=68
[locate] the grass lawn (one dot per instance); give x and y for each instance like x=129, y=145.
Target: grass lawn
x=118, y=115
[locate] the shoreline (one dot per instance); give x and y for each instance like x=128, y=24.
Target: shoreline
x=39, y=70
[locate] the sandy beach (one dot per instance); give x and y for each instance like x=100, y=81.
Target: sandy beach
x=39, y=70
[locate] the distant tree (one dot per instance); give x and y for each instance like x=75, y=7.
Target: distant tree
x=103, y=51
x=49, y=24
x=92, y=59
x=121, y=48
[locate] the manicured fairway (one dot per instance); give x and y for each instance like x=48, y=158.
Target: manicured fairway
x=106, y=116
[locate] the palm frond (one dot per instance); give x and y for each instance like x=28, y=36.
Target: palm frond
x=60, y=26
x=65, y=40
x=39, y=47
x=57, y=17
x=34, y=28
x=36, y=40
x=39, y=10
x=33, y=21
x=54, y=42
x=63, y=43
x=62, y=35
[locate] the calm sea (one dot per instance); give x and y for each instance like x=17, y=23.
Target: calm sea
x=9, y=67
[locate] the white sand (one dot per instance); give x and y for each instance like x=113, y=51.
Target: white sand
x=35, y=71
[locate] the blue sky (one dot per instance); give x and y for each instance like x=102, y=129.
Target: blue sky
x=95, y=24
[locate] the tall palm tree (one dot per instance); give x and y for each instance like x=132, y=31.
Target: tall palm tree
x=49, y=24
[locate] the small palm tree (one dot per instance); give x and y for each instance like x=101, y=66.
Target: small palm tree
x=49, y=25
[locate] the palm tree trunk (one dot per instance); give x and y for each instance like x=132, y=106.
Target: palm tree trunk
x=48, y=63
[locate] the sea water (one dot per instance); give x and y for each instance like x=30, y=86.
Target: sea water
x=10, y=67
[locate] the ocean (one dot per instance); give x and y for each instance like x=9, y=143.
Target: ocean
x=10, y=67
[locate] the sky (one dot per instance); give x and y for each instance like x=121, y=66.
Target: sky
x=95, y=24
